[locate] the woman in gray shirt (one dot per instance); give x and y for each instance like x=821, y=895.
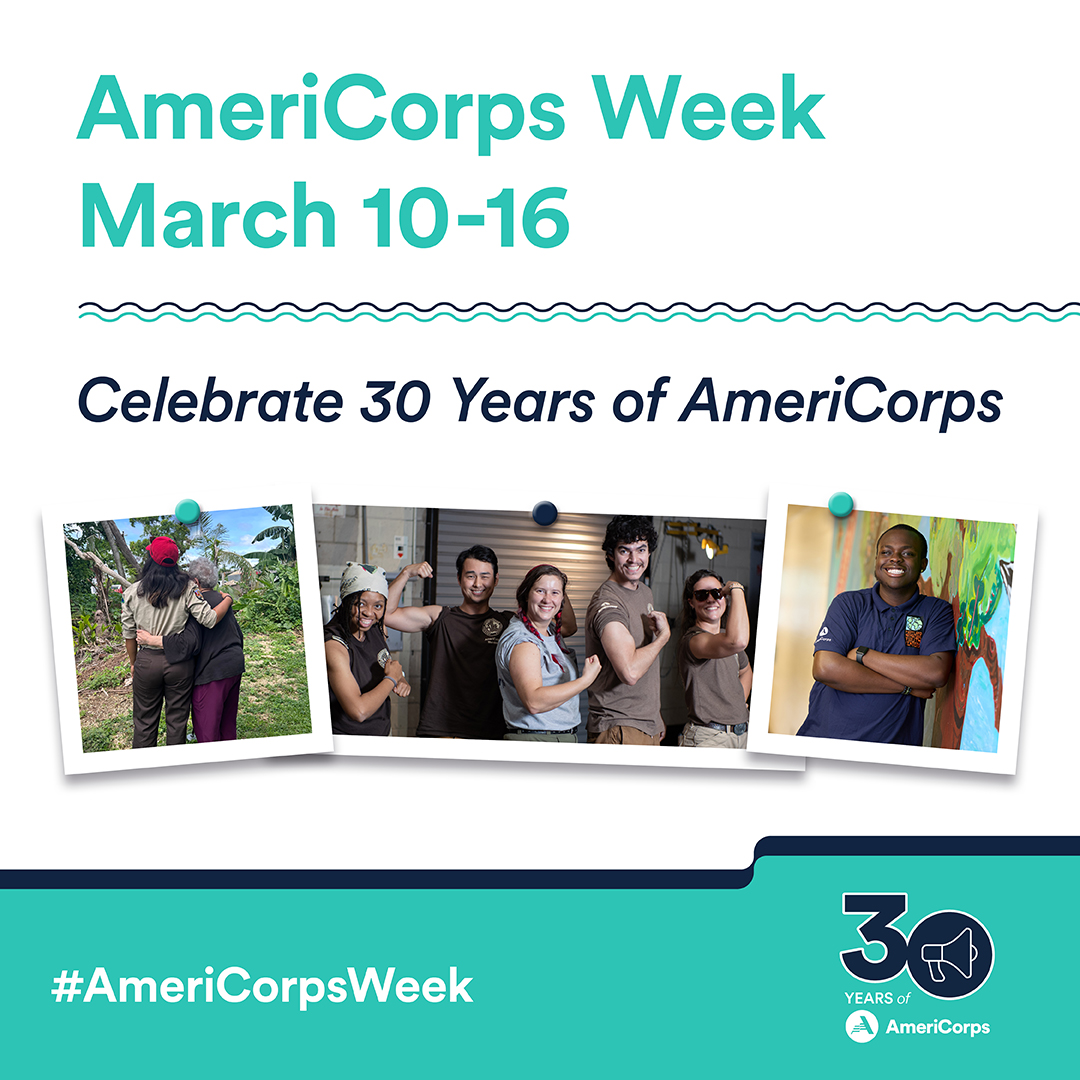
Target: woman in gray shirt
x=537, y=679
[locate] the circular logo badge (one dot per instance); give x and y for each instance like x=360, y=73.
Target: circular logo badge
x=950, y=954
x=861, y=1026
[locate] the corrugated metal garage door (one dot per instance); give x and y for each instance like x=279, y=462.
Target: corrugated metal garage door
x=572, y=544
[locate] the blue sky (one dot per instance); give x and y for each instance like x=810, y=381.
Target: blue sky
x=241, y=526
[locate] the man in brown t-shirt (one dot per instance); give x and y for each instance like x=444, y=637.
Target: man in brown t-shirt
x=462, y=698
x=624, y=631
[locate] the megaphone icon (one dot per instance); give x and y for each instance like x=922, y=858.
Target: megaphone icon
x=958, y=953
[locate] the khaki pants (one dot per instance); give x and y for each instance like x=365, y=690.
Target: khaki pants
x=626, y=736
x=700, y=735
x=540, y=736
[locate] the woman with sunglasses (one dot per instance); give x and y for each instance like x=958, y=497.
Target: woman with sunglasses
x=713, y=666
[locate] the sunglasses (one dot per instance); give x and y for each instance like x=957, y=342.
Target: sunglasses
x=704, y=594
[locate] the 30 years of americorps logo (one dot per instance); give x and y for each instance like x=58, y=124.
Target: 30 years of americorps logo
x=948, y=955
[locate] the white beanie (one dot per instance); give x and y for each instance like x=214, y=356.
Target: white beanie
x=363, y=577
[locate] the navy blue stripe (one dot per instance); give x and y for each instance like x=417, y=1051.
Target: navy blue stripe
x=542, y=879
x=917, y=845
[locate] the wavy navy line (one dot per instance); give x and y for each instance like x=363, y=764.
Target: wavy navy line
x=582, y=310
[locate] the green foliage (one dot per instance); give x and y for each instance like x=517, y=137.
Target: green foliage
x=159, y=526
x=212, y=543
x=274, y=691
x=82, y=628
x=108, y=677
x=273, y=605
x=285, y=535
x=273, y=697
x=80, y=574
x=100, y=737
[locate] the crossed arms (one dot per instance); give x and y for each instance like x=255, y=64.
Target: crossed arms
x=883, y=673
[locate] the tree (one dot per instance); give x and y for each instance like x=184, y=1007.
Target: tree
x=212, y=542
x=285, y=535
x=161, y=525
x=118, y=546
x=89, y=542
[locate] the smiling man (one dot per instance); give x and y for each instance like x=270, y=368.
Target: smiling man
x=882, y=651
x=624, y=631
x=462, y=700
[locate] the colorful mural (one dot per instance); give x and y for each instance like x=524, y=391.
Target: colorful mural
x=970, y=565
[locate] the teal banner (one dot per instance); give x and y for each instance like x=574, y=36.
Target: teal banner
x=820, y=964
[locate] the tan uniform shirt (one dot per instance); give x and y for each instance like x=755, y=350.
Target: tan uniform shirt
x=612, y=703
x=712, y=688
x=137, y=613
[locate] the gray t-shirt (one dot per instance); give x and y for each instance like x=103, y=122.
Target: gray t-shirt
x=562, y=718
x=613, y=703
x=712, y=688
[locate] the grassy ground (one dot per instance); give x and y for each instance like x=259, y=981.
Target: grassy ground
x=273, y=694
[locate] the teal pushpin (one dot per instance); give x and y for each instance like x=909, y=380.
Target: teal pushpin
x=187, y=511
x=841, y=504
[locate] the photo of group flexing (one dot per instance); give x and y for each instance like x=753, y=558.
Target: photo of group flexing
x=595, y=629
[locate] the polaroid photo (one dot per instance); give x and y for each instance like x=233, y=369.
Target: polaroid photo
x=186, y=641
x=498, y=634
x=900, y=631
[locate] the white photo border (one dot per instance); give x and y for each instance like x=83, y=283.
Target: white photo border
x=561, y=753
x=960, y=506
x=155, y=500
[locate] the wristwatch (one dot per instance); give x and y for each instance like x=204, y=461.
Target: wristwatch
x=860, y=652
x=907, y=690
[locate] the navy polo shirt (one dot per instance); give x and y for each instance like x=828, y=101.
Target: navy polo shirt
x=924, y=625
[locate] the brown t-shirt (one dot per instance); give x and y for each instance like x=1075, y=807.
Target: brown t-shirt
x=612, y=703
x=367, y=669
x=713, y=691
x=462, y=698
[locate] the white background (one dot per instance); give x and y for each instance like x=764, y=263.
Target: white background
x=947, y=174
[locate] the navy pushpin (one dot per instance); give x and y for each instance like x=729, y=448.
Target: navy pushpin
x=545, y=513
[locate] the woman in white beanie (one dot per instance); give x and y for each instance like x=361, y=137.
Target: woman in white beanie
x=358, y=665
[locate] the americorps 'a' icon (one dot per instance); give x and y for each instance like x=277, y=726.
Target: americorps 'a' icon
x=861, y=1026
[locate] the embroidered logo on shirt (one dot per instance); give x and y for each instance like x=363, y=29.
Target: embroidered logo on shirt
x=913, y=631
x=823, y=632
x=492, y=630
